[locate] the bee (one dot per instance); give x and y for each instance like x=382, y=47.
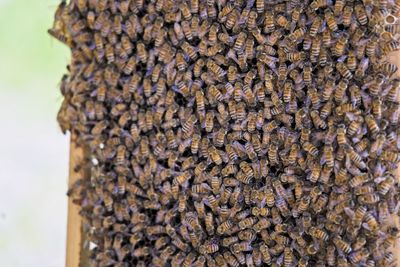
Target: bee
x=360, y=213
x=310, y=148
x=189, y=50
x=224, y=227
x=248, y=172
x=197, y=69
x=393, y=94
x=141, y=52
x=240, y=41
x=370, y=49
x=293, y=154
x=227, y=9
x=282, y=206
x=217, y=70
x=342, y=245
x=318, y=233
x=189, y=259
x=330, y=20
x=209, y=248
x=340, y=45
x=262, y=224
x=295, y=36
x=341, y=90
x=316, y=50
x=358, y=180
x=390, y=156
x=180, y=61
x=307, y=73
x=237, y=248
x=318, y=122
x=359, y=255
x=370, y=222
x=372, y=124
x=377, y=145
x=108, y=201
x=211, y=11
x=344, y=71
x=282, y=21
x=375, y=88
x=315, y=26
x=347, y=12
x=231, y=19
x=361, y=14
x=384, y=186
x=230, y=259
x=265, y=255
x=269, y=23
x=228, y=241
x=388, y=259
x=183, y=178
x=273, y=154
x=260, y=6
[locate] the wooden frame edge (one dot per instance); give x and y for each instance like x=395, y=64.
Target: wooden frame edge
x=75, y=236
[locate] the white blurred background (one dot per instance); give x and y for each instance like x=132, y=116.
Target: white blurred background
x=33, y=151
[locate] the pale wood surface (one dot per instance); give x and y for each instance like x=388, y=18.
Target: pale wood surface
x=394, y=57
x=74, y=227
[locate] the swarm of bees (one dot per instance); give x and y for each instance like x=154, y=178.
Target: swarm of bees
x=235, y=133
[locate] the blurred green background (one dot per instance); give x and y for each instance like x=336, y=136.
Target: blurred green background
x=33, y=151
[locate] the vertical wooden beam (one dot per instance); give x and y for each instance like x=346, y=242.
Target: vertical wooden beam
x=394, y=58
x=74, y=227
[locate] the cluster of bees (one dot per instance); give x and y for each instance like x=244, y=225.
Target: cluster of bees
x=234, y=133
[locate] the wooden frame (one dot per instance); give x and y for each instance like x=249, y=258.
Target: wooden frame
x=76, y=254
x=394, y=57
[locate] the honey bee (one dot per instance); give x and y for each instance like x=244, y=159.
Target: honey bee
x=273, y=154
x=224, y=227
x=230, y=259
x=282, y=21
x=358, y=180
x=315, y=26
x=269, y=23
x=265, y=255
x=209, y=248
x=331, y=21
x=390, y=156
x=307, y=73
x=310, y=148
x=370, y=49
x=361, y=14
x=248, y=172
x=370, y=222
x=341, y=244
x=372, y=124
x=231, y=19
x=318, y=233
x=341, y=90
x=296, y=35
x=240, y=41
x=189, y=259
x=384, y=186
x=340, y=46
x=344, y=71
x=318, y=122
x=189, y=50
